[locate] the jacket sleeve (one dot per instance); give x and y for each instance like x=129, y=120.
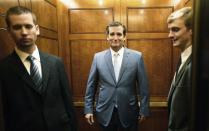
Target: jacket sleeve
x=91, y=87
x=143, y=88
x=1, y=109
x=67, y=95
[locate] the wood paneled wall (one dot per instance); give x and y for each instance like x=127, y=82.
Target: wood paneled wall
x=46, y=12
x=147, y=32
x=76, y=31
x=183, y=3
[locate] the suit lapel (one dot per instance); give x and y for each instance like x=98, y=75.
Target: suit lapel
x=45, y=66
x=123, y=64
x=18, y=67
x=178, y=77
x=108, y=59
x=171, y=91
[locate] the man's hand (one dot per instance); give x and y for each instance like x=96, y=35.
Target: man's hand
x=141, y=119
x=90, y=118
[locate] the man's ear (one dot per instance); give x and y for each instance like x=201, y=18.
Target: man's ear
x=8, y=29
x=190, y=31
x=124, y=39
x=107, y=38
x=37, y=30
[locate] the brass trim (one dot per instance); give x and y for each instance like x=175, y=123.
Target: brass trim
x=152, y=104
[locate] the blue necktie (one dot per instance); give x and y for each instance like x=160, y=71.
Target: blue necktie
x=34, y=73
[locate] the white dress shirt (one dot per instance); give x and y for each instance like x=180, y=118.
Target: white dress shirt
x=185, y=55
x=119, y=57
x=23, y=56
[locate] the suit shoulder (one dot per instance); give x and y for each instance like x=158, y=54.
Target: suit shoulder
x=134, y=52
x=5, y=60
x=101, y=53
x=50, y=56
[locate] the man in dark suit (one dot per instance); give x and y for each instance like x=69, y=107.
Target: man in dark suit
x=120, y=77
x=34, y=92
x=179, y=98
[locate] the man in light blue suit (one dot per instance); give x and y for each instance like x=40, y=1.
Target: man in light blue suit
x=119, y=75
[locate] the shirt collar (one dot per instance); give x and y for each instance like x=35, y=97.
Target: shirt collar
x=23, y=55
x=120, y=52
x=185, y=55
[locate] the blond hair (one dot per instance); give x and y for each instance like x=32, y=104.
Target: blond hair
x=185, y=13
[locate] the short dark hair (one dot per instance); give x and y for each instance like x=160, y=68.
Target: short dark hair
x=185, y=13
x=18, y=10
x=116, y=23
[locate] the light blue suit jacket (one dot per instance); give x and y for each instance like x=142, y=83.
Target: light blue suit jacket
x=132, y=86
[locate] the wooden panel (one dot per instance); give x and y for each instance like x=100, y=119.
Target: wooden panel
x=90, y=3
x=4, y=5
x=157, y=54
x=82, y=53
x=53, y=2
x=96, y=4
x=48, y=45
x=129, y=36
x=125, y=4
x=63, y=31
x=3, y=8
x=2, y=21
x=189, y=3
x=25, y=3
x=156, y=122
x=147, y=3
x=87, y=36
x=86, y=20
x=46, y=14
x=182, y=3
x=147, y=35
x=48, y=33
x=6, y=44
x=148, y=19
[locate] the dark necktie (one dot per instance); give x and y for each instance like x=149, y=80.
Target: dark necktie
x=178, y=66
x=34, y=73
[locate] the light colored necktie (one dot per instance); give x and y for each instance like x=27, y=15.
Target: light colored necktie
x=116, y=66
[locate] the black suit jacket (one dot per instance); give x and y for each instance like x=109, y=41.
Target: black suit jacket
x=180, y=99
x=25, y=108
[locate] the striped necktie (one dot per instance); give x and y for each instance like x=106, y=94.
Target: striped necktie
x=34, y=73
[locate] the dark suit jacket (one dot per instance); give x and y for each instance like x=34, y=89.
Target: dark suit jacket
x=180, y=99
x=131, y=84
x=25, y=108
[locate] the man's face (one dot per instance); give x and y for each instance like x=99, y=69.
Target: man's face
x=23, y=30
x=116, y=37
x=179, y=34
